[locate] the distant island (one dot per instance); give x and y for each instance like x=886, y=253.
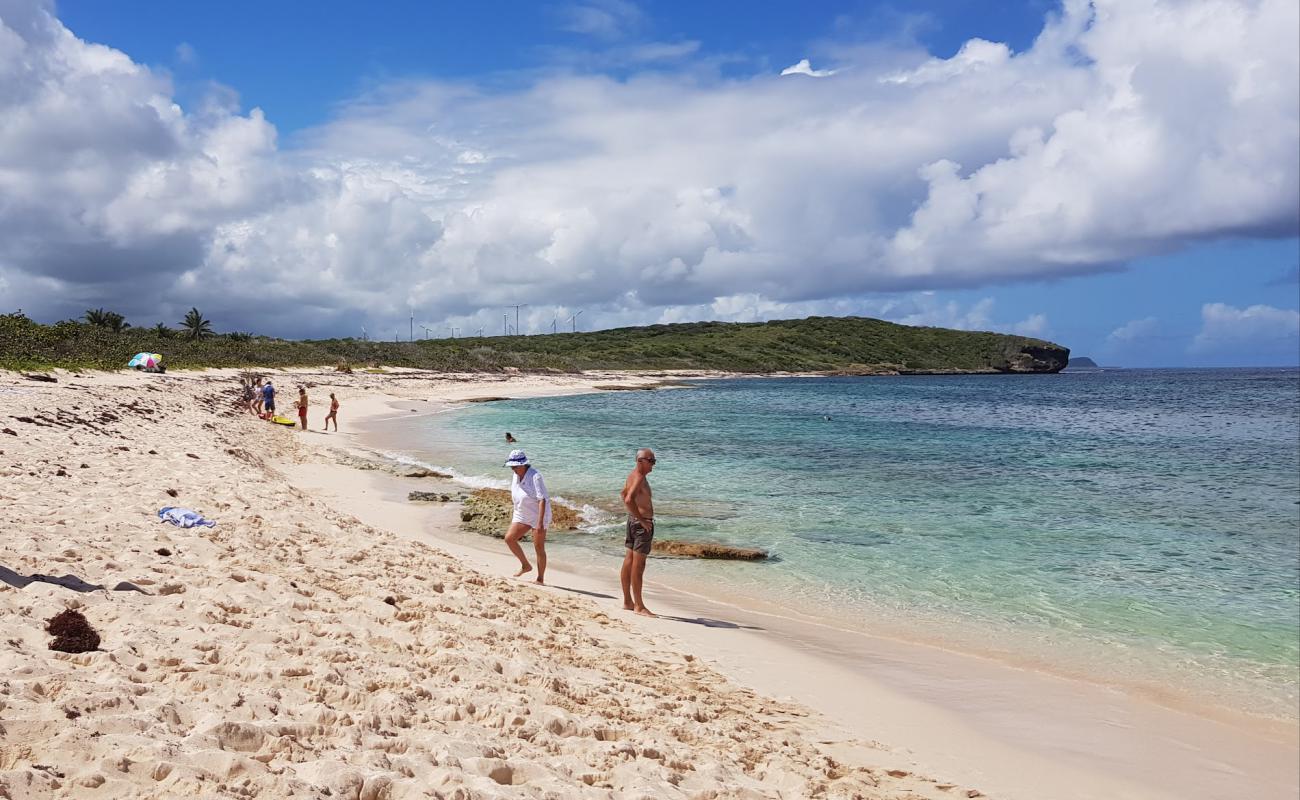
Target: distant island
x=836, y=345
x=1081, y=362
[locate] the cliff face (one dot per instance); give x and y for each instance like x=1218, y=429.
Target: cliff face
x=1037, y=358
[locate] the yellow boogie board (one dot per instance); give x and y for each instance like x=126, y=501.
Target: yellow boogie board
x=284, y=421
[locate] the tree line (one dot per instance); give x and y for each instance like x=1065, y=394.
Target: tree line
x=194, y=326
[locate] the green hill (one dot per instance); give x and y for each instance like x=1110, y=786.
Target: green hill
x=816, y=344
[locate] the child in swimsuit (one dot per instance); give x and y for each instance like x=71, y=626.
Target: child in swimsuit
x=302, y=407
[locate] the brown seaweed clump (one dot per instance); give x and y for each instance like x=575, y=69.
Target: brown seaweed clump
x=72, y=633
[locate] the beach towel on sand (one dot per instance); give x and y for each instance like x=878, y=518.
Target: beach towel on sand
x=184, y=517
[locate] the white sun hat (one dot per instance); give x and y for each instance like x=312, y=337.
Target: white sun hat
x=517, y=459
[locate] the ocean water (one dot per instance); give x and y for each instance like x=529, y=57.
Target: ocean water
x=1138, y=526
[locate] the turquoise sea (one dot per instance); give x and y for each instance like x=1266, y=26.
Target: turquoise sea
x=1135, y=526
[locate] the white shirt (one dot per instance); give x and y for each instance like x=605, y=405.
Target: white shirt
x=526, y=494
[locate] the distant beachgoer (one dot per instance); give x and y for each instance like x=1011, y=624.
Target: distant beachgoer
x=247, y=393
x=257, y=397
x=532, y=512
x=268, y=399
x=302, y=407
x=334, y=413
x=640, y=507
x=510, y=439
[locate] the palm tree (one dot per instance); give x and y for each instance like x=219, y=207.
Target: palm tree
x=115, y=322
x=162, y=331
x=195, y=326
x=112, y=320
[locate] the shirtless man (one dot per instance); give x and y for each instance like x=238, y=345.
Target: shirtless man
x=334, y=413
x=640, y=531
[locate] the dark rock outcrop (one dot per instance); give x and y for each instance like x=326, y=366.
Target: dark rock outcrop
x=1036, y=358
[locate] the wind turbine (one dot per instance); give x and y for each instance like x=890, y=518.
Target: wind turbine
x=574, y=320
x=516, y=307
x=426, y=330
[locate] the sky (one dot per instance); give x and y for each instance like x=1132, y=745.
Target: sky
x=1118, y=176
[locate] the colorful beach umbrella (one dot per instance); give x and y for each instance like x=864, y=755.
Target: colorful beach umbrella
x=146, y=360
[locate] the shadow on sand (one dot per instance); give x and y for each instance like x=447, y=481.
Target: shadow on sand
x=711, y=623
x=19, y=581
x=584, y=591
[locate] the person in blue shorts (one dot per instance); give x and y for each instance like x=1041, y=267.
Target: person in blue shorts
x=268, y=399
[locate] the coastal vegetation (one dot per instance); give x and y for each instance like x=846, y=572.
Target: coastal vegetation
x=855, y=345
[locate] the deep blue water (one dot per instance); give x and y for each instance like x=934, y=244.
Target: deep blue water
x=1138, y=523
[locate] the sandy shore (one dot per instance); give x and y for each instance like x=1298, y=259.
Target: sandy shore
x=327, y=634
x=294, y=650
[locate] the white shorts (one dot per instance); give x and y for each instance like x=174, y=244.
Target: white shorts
x=530, y=519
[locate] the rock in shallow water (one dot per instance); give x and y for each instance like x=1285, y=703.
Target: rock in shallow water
x=669, y=547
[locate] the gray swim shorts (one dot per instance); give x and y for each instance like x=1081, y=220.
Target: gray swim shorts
x=638, y=538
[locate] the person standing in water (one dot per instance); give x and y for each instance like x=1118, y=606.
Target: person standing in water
x=640, y=507
x=334, y=413
x=532, y=511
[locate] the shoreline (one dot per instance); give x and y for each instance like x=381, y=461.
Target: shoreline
x=294, y=650
x=1058, y=660
x=264, y=655
x=1177, y=721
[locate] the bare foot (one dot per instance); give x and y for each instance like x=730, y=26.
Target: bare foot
x=628, y=606
x=645, y=612
x=523, y=569
x=540, y=582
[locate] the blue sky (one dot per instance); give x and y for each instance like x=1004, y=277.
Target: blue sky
x=329, y=166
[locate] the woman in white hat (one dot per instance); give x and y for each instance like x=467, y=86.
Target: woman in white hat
x=532, y=513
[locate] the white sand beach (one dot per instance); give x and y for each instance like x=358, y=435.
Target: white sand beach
x=328, y=638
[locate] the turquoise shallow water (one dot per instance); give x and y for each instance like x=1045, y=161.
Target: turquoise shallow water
x=1137, y=525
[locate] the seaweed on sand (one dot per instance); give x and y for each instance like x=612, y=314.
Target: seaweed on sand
x=72, y=633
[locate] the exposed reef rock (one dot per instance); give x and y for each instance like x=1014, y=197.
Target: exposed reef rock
x=669, y=547
x=433, y=497
x=488, y=511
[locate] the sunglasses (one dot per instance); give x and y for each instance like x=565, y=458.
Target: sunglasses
x=651, y=460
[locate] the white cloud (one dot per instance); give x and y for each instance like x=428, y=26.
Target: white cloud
x=1224, y=326
x=186, y=54
x=975, y=55
x=950, y=314
x=660, y=51
x=1133, y=330
x=1127, y=128
x=604, y=19
x=804, y=67
x=1033, y=325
